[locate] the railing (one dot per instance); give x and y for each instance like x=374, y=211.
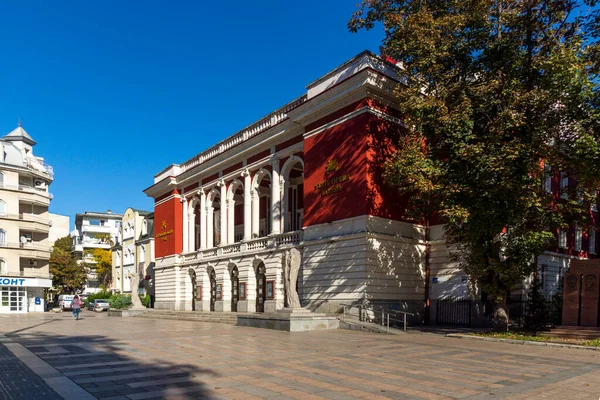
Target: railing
x=260, y=126
x=366, y=314
x=453, y=312
x=27, y=274
x=28, y=189
x=288, y=238
x=283, y=239
x=28, y=217
x=26, y=246
x=35, y=166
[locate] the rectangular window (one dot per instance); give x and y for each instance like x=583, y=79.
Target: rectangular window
x=564, y=185
x=578, y=234
x=543, y=276
x=547, y=178
x=592, y=237
x=562, y=239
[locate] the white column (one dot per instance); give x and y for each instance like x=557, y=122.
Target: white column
x=255, y=214
x=231, y=220
x=202, y=219
x=247, y=206
x=210, y=229
x=275, y=198
x=223, y=201
x=185, y=224
x=285, y=205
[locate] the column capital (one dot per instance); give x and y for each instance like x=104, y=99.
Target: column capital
x=245, y=173
x=275, y=162
x=221, y=183
x=200, y=191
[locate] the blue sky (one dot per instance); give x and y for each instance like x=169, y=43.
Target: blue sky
x=115, y=91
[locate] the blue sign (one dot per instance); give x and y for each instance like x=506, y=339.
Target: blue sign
x=38, y=301
x=435, y=279
x=12, y=281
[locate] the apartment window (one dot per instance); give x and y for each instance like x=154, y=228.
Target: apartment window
x=592, y=238
x=547, y=178
x=578, y=234
x=145, y=227
x=562, y=239
x=3, y=270
x=143, y=252
x=543, y=276
x=1, y=180
x=2, y=207
x=564, y=185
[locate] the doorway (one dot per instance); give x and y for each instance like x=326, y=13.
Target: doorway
x=213, y=289
x=261, y=287
x=235, y=289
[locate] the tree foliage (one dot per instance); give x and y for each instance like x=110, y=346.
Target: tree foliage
x=497, y=89
x=103, y=259
x=67, y=275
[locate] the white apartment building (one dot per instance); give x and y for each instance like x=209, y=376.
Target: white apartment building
x=94, y=230
x=133, y=253
x=24, y=225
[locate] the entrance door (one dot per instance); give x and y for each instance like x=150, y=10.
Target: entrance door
x=235, y=289
x=261, y=288
x=213, y=289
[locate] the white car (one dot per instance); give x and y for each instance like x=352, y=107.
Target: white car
x=64, y=301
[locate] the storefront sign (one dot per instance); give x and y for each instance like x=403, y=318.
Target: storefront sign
x=333, y=184
x=12, y=281
x=25, y=282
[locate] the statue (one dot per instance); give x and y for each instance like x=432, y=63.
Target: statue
x=291, y=267
x=136, y=303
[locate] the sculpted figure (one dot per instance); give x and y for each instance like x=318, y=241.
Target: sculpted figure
x=291, y=267
x=136, y=303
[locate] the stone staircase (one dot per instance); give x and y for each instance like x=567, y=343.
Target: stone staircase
x=574, y=332
x=199, y=316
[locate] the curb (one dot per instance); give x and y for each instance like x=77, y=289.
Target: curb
x=526, y=342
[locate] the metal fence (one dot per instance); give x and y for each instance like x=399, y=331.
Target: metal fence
x=453, y=312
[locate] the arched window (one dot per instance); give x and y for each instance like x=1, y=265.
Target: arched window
x=145, y=227
x=3, y=270
x=2, y=207
x=2, y=237
x=143, y=252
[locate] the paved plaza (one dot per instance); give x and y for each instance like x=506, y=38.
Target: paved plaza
x=131, y=358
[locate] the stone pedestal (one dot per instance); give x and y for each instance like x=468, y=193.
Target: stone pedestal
x=126, y=313
x=290, y=320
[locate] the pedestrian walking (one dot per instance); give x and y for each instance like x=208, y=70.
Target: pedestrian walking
x=76, y=306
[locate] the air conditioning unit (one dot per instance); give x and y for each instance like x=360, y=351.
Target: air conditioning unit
x=32, y=263
x=38, y=182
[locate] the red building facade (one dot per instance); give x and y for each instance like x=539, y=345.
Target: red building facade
x=306, y=176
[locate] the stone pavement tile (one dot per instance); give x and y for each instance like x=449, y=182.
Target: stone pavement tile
x=115, y=398
x=256, y=391
x=335, y=395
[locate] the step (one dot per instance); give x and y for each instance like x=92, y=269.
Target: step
x=578, y=328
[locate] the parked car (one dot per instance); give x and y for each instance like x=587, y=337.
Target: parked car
x=64, y=301
x=98, y=305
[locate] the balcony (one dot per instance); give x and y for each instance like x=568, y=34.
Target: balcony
x=96, y=228
x=277, y=242
x=28, y=274
x=38, y=223
x=29, y=250
x=37, y=165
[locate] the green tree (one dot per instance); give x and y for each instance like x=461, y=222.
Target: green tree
x=497, y=89
x=103, y=259
x=67, y=275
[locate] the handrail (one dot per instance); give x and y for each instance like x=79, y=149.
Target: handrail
x=385, y=315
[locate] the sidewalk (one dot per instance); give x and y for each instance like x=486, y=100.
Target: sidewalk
x=17, y=381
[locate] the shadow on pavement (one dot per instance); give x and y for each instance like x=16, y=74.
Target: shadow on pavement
x=102, y=367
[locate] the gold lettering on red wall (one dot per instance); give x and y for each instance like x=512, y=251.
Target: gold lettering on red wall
x=165, y=233
x=334, y=184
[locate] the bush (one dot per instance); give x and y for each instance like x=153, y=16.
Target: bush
x=120, y=301
x=145, y=300
x=96, y=296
